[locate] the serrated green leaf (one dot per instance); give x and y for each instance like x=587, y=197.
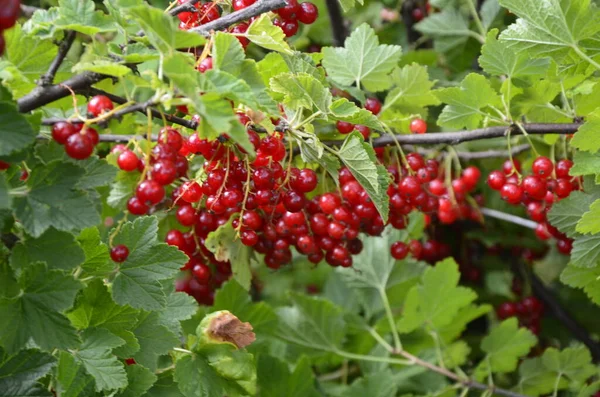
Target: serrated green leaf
x=412, y=90
x=381, y=384
x=72, y=380
x=44, y=249
x=344, y=110
x=565, y=214
x=96, y=253
x=587, y=279
x=505, y=344
x=465, y=104
x=159, y=27
x=312, y=151
x=347, y=5
x=165, y=386
x=17, y=133
x=98, y=173
x=122, y=188
x=97, y=359
x=590, y=220
x=108, y=68
x=54, y=201
x=585, y=163
x=554, y=28
x=224, y=243
x=19, y=373
x=362, y=60
x=489, y=11
x=573, y=362
x=252, y=77
x=180, y=306
x=227, y=53
x=498, y=59
x=155, y=340
x=359, y=157
x=234, y=298
x=275, y=376
x=586, y=251
x=263, y=33
x=312, y=323
x=302, y=90
x=535, y=379
x=437, y=300
x=139, y=380
x=80, y=16
x=36, y=312
x=459, y=324
x=450, y=27
x=586, y=137
x=196, y=378
x=5, y=197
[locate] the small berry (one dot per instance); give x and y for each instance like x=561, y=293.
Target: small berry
x=191, y=192
x=372, y=104
x=511, y=193
x=98, y=105
x=418, y=126
x=119, y=253
x=344, y=127
x=506, y=310
x=79, y=146
x=399, y=250
x=542, y=167
x=205, y=64
x=150, y=191
x=308, y=14
x=136, y=206
x=128, y=161
x=61, y=131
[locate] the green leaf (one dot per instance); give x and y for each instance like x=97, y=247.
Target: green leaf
x=498, y=59
x=263, y=33
x=5, y=197
x=312, y=323
x=97, y=359
x=587, y=279
x=535, y=379
x=159, y=27
x=302, y=90
x=44, y=249
x=108, y=68
x=227, y=54
x=275, y=376
x=586, y=251
x=466, y=103
x=349, y=4
x=155, y=340
x=36, y=312
x=17, y=133
x=565, y=214
x=122, y=189
x=586, y=137
x=139, y=380
x=72, y=380
x=344, y=110
x=19, y=373
x=589, y=221
x=554, y=28
x=224, y=243
x=381, y=384
x=137, y=280
x=585, y=163
x=196, y=378
x=437, y=300
x=235, y=366
x=54, y=201
x=234, y=298
x=165, y=386
x=450, y=28
x=362, y=60
x=96, y=252
x=504, y=346
x=80, y=16
x=312, y=151
x=98, y=173
x=573, y=362
x=489, y=11
x=412, y=90
x=180, y=306
x=360, y=159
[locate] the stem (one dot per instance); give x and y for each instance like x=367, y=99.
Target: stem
x=476, y=18
x=63, y=50
x=528, y=138
x=509, y=218
x=361, y=357
x=585, y=56
x=390, y=317
x=338, y=27
x=178, y=349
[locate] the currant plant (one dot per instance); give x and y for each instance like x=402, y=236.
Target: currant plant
x=294, y=198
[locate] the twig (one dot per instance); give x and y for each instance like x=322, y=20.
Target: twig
x=338, y=26
x=517, y=220
x=258, y=8
x=63, y=49
x=188, y=6
x=483, y=154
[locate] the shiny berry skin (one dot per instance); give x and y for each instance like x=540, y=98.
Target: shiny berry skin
x=308, y=14
x=564, y=246
x=128, y=161
x=191, y=192
x=534, y=187
x=119, y=253
x=471, y=175
x=209, y=12
x=9, y=12
x=410, y=186
x=418, y=126
x=164, y=172
x=136, y=206
x=563, y=167
x=563, y=188
x=344, y=128
x=329, y=202
x=98, y=105
x=171, y=137
x=506, y=310
x=373, y=105
x=205, y=64
x=289, y=28
x=150, y=191
x=242, y=28
x=186, y=215
x=201, y=273
x=290, y=11
x=415, y=247
x=536, y=211
x=61, y=131
x=79, y=146
x=417, y=14
x=541, y=232
x=511, y=193
x=306, y=181
x=509, y=167
x=241, y=4
x=364, y=131
x=252, y=220
x=532, y=305
x=399, y=250
x=542, y=167
x=249, y=238
x=496, y=180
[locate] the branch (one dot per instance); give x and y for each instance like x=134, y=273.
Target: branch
x=503, y=216
x=63, y=49
x=258, y=8
x=479, y=155
x=338, y=26
x=188, y=6
x=407, y=17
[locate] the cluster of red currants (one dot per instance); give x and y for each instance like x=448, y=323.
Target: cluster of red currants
x=547, y=184
x=294, y=13
x=529, y=311
x=9, y=13
x=371, y=104
x=79, y=140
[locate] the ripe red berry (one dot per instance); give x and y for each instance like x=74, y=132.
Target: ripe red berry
x=191, y=192
x=150, y=191
x=541, y=232
x=61, y=131
x=4, y=165
x=305, y=181
x=164, y=172
x=509, y=167
x=136, y=206
x=209, y=12
x=564, y=246
x=563, y=167
x=119, y=253
x=496, y=180
x=563, y=188
x=506, y=310
x=417, y=14
x=201, y=273
x=399, y=250
x=511, y=193
x=543, y=167
x=344, y=127
x=205, y=64
x=470, y=176
x=186, y=215
x=79, y=146
x=372, y=104
x=249, y=238
x=9, y=12
x=534, y=187
x=418, y=126
x=241, y=4
x=128, y=161
x=415, y=248
x=171, y=137
x=308, y=14
x=98, y=105
x=289, y=28
x=290, y=11
x=329, y=202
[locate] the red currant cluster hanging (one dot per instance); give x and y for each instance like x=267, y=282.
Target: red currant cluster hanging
x=529, y=311
x=537, y=192
x=79, y=139
x=9, y=13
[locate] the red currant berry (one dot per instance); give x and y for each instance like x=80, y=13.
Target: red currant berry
x=79, y=146
x=191, y=192
x=61, y=131
x=241, y=4
x=128, y=161
x=164, y=172
x=171, y=137
x=364, y=131
x=417, y=14
x=418, y=126
x=541, y=232
x=150, y=191
x=289, y=28
x=563, y=167
x=496, y=180
x=542, y=167
x=564, y=246
x=399, y=250
x=249, y=238
x=470, y=176
x=534, y=187
x=209, y=12
x=511, y=193
x=415, y=248
x=506, y=310
x=344, y=128
x=98, y=105
x=563, y=188
x=305, y=182
x=308, y=14
x=119, y=253
x=205, y=64
x=290, y=11
x=136, y=206
x=372, y=104
x=329, y=202
x=186, y=215
x=509, y=167
x=9, y=12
